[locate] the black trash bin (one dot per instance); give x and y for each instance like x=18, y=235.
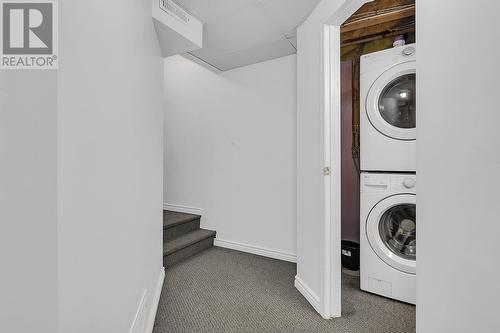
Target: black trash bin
x=350, y=255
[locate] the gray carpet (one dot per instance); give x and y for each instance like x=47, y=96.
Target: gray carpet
x=222, y=291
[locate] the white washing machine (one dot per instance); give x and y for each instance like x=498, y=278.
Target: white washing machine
x=387, y=110
x=388, y=235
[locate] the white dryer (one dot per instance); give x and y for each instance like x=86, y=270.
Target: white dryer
x=388, y=110
x=388, y=235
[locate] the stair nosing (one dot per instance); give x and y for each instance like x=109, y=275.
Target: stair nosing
x=209, y=234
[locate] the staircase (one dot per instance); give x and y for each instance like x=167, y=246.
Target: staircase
x=182, y=237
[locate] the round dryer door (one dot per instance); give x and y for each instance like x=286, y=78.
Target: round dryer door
x=391, y=231
x=390, y=103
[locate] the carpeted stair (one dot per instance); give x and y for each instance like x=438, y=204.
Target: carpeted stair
x=182, y=237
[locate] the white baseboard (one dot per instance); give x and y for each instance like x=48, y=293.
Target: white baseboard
x=183, y=209
x=138, y=323
x=261, y=251
x=154, y=303
x=308, y=294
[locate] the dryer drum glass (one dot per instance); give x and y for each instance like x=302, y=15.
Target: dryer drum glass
x=397, y=228
x=396, y=103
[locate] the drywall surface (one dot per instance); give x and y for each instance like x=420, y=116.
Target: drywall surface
x=310, y=146
x=110, y=158
x=28, y=201
x=457, y=164
x=230, y=149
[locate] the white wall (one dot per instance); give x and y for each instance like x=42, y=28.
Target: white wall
x=28, y=215
x=230, y=149
x=458, y=162
x=109, y=164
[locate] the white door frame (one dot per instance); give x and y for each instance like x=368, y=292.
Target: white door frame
x=332, y=266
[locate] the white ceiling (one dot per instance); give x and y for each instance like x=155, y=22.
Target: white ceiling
x=244, y=32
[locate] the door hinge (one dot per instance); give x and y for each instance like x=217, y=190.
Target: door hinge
x=326, y=171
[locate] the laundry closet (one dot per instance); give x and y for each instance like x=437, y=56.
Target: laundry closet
x=378, y=116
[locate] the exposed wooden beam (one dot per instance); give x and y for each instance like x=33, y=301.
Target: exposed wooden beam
x=371, y=38
x=379, y=6
x=385, y=29
x=379, y=18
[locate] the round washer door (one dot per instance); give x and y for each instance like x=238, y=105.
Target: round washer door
x=390, y=103
x=391, y=231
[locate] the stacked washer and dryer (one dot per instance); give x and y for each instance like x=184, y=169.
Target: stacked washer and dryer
x=388, y=180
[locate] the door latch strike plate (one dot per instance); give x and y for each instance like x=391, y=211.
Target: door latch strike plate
x=326, y=171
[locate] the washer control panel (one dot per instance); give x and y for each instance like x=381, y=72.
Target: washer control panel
x=371, y=182
x=382, y=182
x=404, y=183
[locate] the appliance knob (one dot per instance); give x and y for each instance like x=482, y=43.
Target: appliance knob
x=409, y=183
x=408, y=51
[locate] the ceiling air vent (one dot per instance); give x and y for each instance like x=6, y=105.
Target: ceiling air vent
x=174, y=10
x=178, y=31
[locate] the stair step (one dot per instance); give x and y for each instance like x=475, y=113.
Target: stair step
x=187, y=252
x=172, y=219
x=178, y=224
x=186, y=240
x=184, y=246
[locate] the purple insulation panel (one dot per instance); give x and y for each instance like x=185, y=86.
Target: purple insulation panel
x=350, y=177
